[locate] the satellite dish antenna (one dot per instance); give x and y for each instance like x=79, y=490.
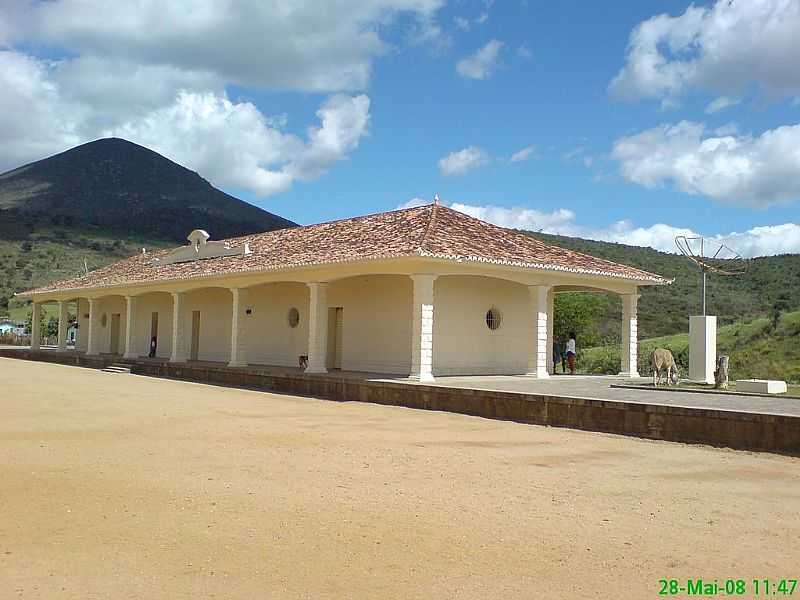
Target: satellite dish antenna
x=710, y=256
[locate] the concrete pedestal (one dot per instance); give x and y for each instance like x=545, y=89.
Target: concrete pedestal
x=702, y=348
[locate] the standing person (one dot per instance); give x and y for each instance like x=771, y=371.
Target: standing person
x=556, y=354
x=571, y=353
x=564, y=357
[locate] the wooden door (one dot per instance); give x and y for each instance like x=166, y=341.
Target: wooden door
x=114, y=346
x=335, y=328
x=195, y=335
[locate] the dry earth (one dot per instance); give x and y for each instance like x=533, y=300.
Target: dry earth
x=118, y=486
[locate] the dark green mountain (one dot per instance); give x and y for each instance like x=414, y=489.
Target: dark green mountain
x=114, y=185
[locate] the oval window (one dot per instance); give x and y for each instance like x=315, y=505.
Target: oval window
x=293, y=317
x=493, y=319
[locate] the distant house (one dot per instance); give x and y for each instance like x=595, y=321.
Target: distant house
x=6, y=326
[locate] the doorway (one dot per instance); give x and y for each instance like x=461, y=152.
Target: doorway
x=153, y=334
x=335, y=328
x=114, y=346
x=195, y=335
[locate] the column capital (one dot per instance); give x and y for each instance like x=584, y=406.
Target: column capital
x=424, y=276
x=317, y=284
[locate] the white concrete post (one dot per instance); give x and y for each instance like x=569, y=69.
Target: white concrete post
x=422, y=312
x=130, y=327
x=702, y=348
x=63, y=325
x=238, y=348
x=91, y=336
x=317, y=328
x=179, y=353
x=630, y=332
x=537, y=334
x=36, y=330
x=551, y=296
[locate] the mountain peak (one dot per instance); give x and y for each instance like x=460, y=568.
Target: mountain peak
x=115, y=184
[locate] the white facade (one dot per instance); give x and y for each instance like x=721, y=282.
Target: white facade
x=407, y=317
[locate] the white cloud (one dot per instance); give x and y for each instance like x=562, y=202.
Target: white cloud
x=758, y=241
x=721, y=103
x=462, y=23
x=751, y=170
x=724, y=48
x=481, y=64
x=233, y=144
x=524, y=52
x=524, y=154
x=463, y=161
x=302, y=45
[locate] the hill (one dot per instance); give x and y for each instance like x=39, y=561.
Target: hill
x=117, y=186
x=772, y=283
x=101, y=202
x=764, y=347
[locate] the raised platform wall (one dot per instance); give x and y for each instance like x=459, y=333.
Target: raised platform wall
x=738, y=430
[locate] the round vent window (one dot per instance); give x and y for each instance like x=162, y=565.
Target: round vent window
x=293, y=317
x=493, y=319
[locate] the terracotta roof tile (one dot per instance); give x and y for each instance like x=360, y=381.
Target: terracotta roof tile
x=432, y=230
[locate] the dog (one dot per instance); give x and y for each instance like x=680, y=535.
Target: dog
x=303, y=361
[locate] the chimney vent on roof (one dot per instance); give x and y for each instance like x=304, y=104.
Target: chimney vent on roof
x=436, y=198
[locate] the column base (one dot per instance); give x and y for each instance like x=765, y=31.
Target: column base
x=628, y=374
x=312, y=370
x=237, y=363
x=422, y=378
x=538, y=375
x=130, y=355
x=177, y=359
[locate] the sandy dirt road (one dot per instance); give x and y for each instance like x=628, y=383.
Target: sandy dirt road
x=118, y=486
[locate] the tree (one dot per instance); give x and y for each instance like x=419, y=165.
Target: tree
x=780, y=305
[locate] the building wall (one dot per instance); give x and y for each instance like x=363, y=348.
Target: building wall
x=269, y=338
x=214, y=305
x=146, y=305
x=462, y=342
x=376, y=331
x=108, y=306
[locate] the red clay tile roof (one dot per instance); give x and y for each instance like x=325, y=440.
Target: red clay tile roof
x=432, y=230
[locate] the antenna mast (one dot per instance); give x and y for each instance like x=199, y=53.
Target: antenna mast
x=725, y=261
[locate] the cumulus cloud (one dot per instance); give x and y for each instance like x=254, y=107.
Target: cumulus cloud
x=721, y=103
x=725, y=48
x=759, y=241
x=751, y=170
x=482, y=63
x=463, y=161
x=234, y=144
x=524, y=52
x=524, y=154
x=158, y=73
x=303, y=45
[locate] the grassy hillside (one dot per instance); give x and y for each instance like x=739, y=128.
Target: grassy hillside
x=57, y=253
x=770, y=282
x=760, y=348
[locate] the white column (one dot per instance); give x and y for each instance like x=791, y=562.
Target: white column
x=702, y=348
x=238, y=348
x=63, y=325
x=130, y=327
x=630, y=332
x=36, y=330
x=422, y=312
x=551, y=296
x=179, y=353
x=317, y=328
x=91, y=335
x=537, y=333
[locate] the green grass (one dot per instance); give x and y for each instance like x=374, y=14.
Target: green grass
x=757, y=349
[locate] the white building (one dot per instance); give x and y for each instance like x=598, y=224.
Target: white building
x=421, y=292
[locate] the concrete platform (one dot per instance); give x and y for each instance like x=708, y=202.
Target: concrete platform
x=575, y=402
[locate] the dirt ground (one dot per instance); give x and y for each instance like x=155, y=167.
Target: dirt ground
x=119, y=486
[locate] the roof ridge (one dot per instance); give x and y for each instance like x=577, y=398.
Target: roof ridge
x=430, y=227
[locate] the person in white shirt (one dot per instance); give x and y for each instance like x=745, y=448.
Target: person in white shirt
x=571, y=353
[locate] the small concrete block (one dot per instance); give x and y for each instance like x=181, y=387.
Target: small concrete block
x=761, y=386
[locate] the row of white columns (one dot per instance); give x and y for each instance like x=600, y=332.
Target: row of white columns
x=540, y=334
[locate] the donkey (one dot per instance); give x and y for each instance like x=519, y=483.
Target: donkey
x=662, y=360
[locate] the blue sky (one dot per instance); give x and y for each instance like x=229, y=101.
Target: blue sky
x=629, y=121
